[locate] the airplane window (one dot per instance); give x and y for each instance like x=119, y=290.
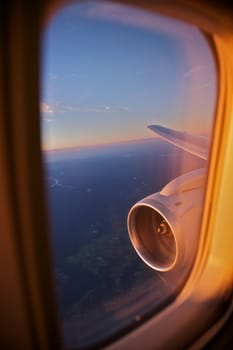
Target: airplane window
x=127, y=106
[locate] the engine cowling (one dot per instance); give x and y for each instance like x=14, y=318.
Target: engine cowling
x=164, y=227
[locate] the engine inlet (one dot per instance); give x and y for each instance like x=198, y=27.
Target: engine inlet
x=152, y=237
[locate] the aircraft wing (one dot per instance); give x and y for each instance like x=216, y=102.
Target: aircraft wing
x=196, y=145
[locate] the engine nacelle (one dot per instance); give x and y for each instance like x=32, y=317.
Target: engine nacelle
x=164, y=227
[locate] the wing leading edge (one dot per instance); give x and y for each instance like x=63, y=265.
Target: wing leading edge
x=196, y=145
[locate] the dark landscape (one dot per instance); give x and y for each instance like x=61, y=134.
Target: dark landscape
x=102, y=284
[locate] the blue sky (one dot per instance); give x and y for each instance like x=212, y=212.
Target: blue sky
x=108, y=71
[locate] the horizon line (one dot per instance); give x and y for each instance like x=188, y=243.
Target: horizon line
x=98, y=145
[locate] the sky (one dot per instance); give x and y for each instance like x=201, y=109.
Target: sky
x=108, y=71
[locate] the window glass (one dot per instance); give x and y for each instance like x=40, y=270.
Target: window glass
x=109, y=72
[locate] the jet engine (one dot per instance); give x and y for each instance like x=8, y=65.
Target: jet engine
x=164, y=227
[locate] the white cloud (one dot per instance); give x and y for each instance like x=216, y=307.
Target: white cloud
x=57, y=107
x=193, y=70
x=124, y=108
x=83, y=109
x=46, y=108
x=48, y=120
x=202, y=86
x=47, y=111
